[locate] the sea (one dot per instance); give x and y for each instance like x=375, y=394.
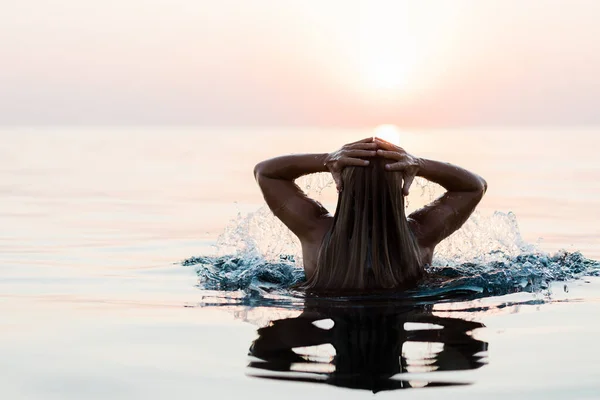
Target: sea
x=141, y=262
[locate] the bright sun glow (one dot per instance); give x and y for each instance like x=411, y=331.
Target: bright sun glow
x=397, y=39
x=388, y=49
x=389, y=133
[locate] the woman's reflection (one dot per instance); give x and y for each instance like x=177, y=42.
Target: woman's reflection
x=369, y=346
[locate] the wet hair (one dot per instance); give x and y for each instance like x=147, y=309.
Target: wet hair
x=370, y=245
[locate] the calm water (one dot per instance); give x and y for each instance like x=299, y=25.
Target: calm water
x=94, y=223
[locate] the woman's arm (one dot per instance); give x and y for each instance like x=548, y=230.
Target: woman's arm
x=451, y=177
x=301, y=214
x=289, y=203
x=438, y=220
x=292, y=166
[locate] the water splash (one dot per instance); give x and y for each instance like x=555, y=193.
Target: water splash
x=236, y=280
x=258, y=259
x=230, y=273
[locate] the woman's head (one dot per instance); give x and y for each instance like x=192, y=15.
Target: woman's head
x=370, y=245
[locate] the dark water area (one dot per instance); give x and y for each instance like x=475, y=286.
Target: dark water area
x=366, y=347
x=257, y=282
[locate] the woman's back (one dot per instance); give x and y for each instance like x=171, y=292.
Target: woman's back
x=370, y=244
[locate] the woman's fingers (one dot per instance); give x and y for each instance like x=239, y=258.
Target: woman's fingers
x=362, y=146
x=382, y=144
x=365, y=140
x=398, y=166
x=357, y=162
x=408, y=181
x=370, y=147
x=337, y=178
x=361, y=153
x=394, y=155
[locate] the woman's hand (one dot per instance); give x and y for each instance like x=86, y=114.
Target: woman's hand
x=351, y=154
x=405, y=163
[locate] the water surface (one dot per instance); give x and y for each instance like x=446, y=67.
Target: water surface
x=95, y=223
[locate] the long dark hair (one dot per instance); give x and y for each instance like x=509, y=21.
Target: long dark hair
x=370, y=245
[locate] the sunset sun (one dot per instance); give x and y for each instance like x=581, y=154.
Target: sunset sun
x=388, y=52
x=397, y=40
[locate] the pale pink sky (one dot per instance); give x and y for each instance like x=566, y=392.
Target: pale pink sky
x=300, y=62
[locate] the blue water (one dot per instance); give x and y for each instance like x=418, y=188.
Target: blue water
x=252, y=279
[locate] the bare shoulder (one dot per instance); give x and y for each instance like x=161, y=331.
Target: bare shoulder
x=312, y=245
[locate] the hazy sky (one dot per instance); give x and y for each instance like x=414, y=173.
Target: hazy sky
x=300, y=62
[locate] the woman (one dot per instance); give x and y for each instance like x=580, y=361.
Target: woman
x=369, y=244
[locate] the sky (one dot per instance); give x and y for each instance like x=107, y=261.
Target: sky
x=429, y=63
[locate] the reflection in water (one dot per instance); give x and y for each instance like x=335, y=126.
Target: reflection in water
x=367, y=347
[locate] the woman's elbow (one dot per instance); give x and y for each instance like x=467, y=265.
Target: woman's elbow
x=483, y=185
x=257, y=170
x=261, y=169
